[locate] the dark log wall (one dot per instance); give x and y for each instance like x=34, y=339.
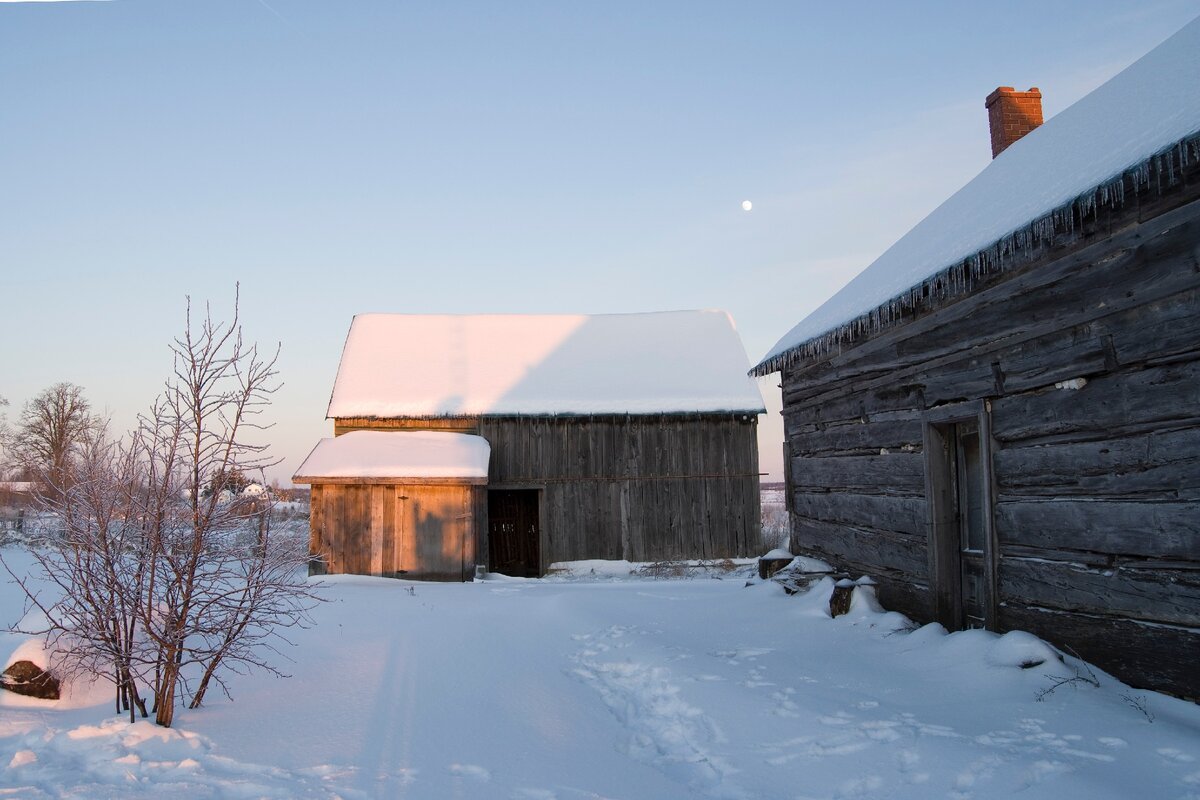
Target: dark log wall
x=1097, y=490
x=642, y=488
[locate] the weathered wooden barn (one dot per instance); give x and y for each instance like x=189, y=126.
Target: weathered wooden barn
x=617, y=436
x=999, y=419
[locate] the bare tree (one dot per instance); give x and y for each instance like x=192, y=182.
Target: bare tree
x=214, y=598
x=93, y=566
x=50, y=429
x=160, y=580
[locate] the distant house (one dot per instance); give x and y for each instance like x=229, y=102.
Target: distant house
x=999, y=419
x=512, y=442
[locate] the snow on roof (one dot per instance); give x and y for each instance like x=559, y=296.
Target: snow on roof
x=427, y=365
x=397, y=454
x=1152, y=105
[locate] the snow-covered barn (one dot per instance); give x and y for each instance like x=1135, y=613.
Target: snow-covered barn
x=999, y=419
x=510, y=442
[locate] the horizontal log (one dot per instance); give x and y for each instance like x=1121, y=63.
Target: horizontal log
x=862, y=550
x=1060, y=356
x=852, y=401
x=856, y=438
x=968, y=379
x=1168, y=327
x=1161, y=595
x=900, y=472
x=879, y=512
x=1164, y=396
x=1149, y=530
x=1158, y=657
x=1163, y=464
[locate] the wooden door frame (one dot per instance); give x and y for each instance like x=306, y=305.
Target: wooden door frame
x=485, y=521
x=942, y=504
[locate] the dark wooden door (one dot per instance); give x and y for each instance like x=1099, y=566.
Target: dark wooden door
x=514, y=532
x=972, y=533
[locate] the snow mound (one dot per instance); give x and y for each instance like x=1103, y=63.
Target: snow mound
x=1020, y=649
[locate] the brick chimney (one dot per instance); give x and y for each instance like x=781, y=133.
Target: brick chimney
x=1012, y=114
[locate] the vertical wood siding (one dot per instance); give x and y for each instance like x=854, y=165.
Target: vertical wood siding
x=408, y=530
x=642, y=488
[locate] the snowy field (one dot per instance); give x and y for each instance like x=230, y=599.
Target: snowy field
x=608, y=686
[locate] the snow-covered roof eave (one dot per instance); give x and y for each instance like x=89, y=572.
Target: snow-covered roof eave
x=397, y=456
x=1132, y=134
x=569, y=365
x=1162, y=170
x=713, y=412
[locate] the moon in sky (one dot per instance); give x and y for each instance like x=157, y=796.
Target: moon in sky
x=747, y=205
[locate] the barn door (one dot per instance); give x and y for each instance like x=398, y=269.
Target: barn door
x=959, y=495
x=514, y=532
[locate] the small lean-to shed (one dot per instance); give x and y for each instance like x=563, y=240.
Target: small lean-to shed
x=396, y=503
x=615, y=436
x=999, y=419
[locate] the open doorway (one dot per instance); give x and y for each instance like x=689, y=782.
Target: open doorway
x=958, y=460
x=514, y=532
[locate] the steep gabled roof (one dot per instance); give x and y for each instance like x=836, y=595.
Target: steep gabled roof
x=401, y=365
x=1144, y=122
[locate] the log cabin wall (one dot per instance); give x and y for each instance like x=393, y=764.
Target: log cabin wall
x=409, y=530
x=1094, y=484
x=641, y=488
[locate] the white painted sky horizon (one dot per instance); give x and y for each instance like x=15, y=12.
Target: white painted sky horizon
x=422, y=158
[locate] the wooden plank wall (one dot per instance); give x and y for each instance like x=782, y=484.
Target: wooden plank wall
x=413, y=531
x=1097, y=490
x=642, y=488
x=638, y=488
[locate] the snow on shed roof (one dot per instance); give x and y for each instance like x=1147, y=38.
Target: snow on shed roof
x=1151, y=106
x=396, y=454
x=427, y=365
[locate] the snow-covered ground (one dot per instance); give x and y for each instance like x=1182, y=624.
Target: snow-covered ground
x=602, y=685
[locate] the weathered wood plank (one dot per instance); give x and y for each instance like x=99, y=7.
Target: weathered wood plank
x=1166, y=396
x=1163, y=329
x=858, y=438
x=880, y=512
x=1163, y=464
x=318, y=555
x=387, y=503
x=1160, y=595
x=871, y=552
x=1167, y=530
x=897, y=472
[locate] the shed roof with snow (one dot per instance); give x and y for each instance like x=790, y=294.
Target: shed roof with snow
x=381, y=455
x=403, y=365
x=1079, y=157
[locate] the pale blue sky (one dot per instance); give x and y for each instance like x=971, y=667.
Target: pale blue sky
x=344, y=157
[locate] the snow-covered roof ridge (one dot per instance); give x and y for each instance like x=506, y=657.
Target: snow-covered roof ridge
x=426, y=365
x=397, y=454
x=1139, y=129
